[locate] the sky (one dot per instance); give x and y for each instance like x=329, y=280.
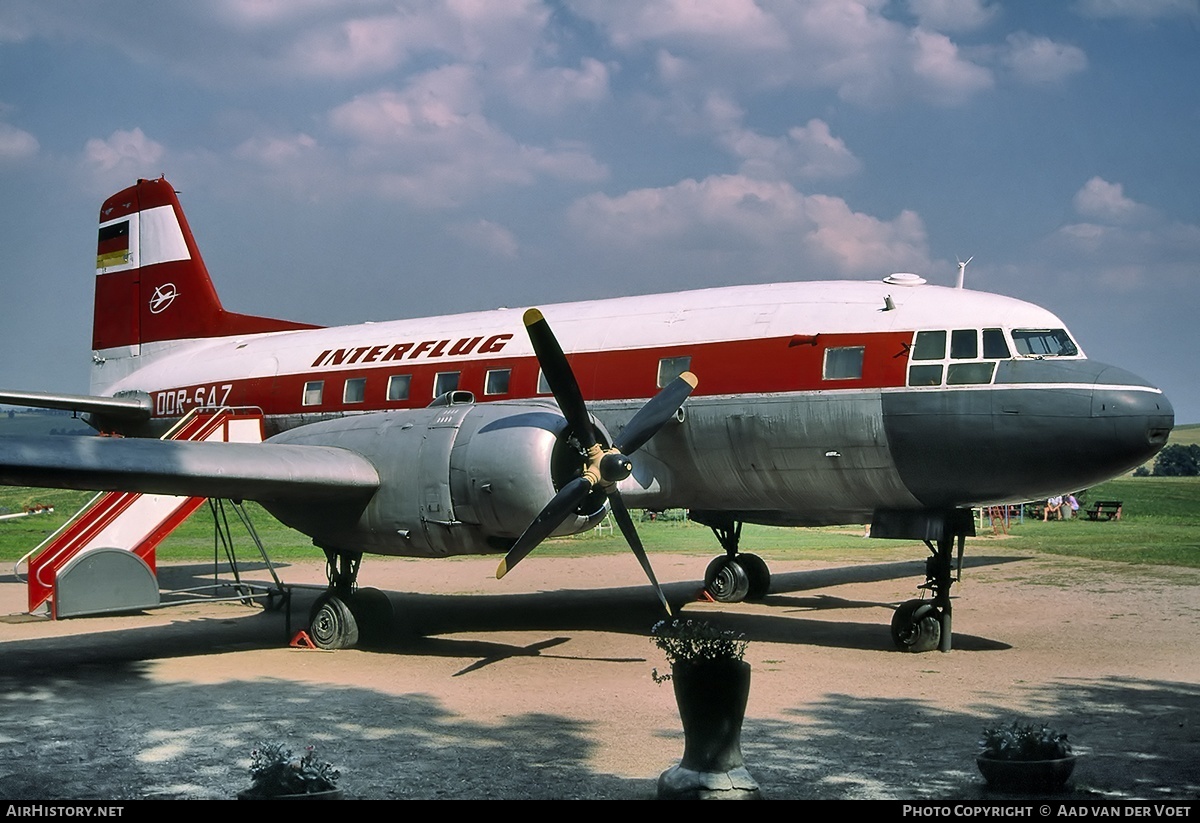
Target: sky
x=350, y=160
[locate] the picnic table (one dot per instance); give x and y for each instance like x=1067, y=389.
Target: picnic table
x=1104, y=510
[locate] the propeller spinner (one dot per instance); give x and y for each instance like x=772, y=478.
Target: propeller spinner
x=603, y=468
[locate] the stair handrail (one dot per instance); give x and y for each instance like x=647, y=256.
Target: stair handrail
x=180, y=424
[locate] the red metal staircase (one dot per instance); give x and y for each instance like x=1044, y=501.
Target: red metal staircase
x=115, y=527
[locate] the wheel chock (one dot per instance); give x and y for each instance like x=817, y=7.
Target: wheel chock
x=302, y=641
x=704, y=597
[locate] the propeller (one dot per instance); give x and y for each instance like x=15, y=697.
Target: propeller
x=603, y=468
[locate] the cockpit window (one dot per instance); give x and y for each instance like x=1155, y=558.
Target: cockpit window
x=994, y=345
x=1044, y=343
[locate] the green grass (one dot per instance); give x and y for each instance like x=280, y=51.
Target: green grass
x=1161, y=526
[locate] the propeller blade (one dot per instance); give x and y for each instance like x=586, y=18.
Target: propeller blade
x=631, y=537
x=657, y=411
x=568, y=497
x=560, y=378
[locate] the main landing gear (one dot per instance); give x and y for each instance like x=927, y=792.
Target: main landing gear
x=343, y=615
x=734, y=576
x=924, y=625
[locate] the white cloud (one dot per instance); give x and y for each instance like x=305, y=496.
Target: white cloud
x=276, y=151
x=131, y=152
x=1106, y=202
x=1040, y=60
x=1122, y=243
x=844, y=45
x=1137, y=9
x=550, y=90
x=431, y=144
x=953, y=15
x=817, y=233
x=944, y=76
x=487, y=236
x=16, y=144
x=806, y=152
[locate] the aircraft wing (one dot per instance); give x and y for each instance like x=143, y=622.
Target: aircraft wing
x=253, y=471
x=133, y=409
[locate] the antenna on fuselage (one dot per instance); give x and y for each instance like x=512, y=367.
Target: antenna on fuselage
x=962, y=271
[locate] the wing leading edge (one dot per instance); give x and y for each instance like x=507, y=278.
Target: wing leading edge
x=135, y=409
x=252, y=471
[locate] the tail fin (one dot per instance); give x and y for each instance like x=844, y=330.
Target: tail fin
x=151, y=283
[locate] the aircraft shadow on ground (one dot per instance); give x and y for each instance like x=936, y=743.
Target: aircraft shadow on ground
x=79, y=733
x=423, y=621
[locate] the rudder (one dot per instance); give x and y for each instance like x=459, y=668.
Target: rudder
x=151, y=282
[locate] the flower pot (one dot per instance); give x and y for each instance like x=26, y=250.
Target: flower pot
x=711, y=696
x=1026, y=775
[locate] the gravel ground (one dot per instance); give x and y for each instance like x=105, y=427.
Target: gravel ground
x=539, y=686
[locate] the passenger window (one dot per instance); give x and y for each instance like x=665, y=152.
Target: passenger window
x=443, y=382
x=314, y=390
x=965, y=374
x=355, y=390
x=496, y=381
x=398, y=385
x=845, y=363
x=930, y=345
x=543, y=386
x=671, y=367
x=994, y=344
x=964, y=344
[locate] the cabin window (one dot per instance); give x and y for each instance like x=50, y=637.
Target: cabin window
x=1044, y=343
x=355, y=391
x=930, y=345
x=930, y=375
x=995, y=346
x=543, y=386
x=496, y=381
x=398, y=385
x=314, y=391
x=671, y=367
x=965, y=374
x=844, y=363
x=446, y=381
x=964, y=344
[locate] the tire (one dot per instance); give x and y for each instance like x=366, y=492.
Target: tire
x=758, y=574
x=726, y=581
x=916, y=626
x=332, y=624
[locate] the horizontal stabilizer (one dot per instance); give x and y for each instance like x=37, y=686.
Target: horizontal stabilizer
x=132, y=409
x=239, y=471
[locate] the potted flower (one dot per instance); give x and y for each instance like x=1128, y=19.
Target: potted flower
x=712, y=685
x=1025, y=757
x=276, y=775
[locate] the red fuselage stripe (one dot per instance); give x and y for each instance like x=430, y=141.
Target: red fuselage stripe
x=780, y=364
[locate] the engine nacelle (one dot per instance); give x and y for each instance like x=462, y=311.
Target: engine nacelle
x=457, y=479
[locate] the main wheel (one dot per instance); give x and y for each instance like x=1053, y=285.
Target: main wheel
x=758, y=574
x=726, y=581
x=332, y=623
x=916, y=626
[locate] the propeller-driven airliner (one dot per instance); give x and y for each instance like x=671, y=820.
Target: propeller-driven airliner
x=896, y=403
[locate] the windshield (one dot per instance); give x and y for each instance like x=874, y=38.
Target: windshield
x=1044, y=343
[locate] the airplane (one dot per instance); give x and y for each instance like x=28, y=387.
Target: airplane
x=894, y=403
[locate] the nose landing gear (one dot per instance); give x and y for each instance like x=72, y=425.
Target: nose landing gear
x=925, y=625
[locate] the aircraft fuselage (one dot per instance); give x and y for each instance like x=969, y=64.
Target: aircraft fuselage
x=818, y=402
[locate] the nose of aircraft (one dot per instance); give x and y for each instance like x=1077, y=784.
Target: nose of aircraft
x=1045, y=427
x=1134, y=418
